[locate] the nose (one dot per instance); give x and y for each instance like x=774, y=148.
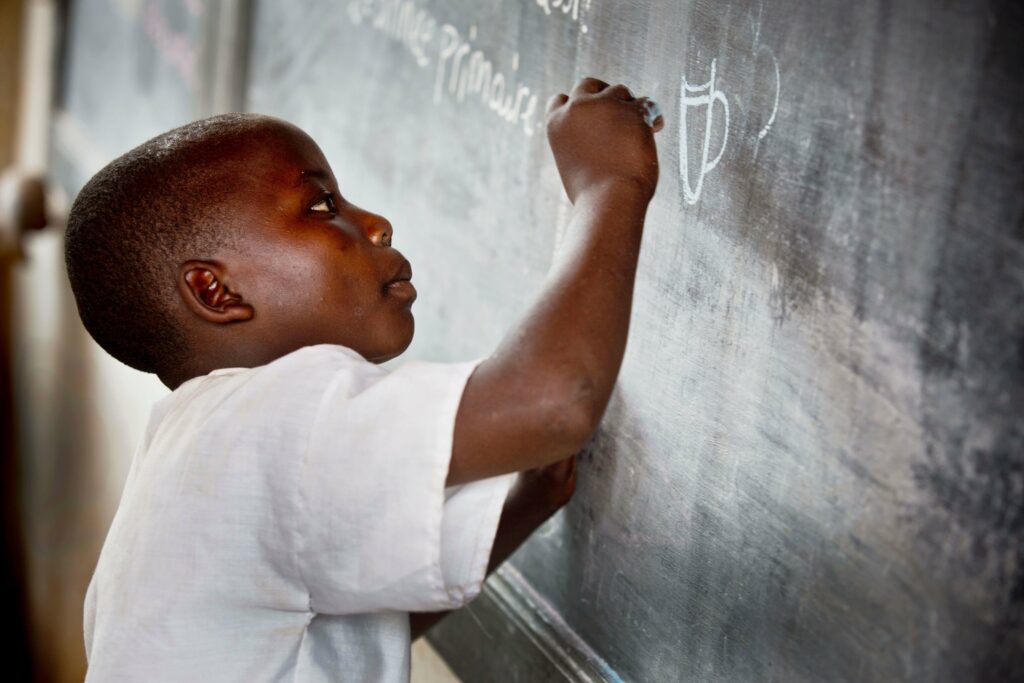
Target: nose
x=377, y=229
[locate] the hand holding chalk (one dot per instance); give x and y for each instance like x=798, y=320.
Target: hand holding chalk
x=602, y=134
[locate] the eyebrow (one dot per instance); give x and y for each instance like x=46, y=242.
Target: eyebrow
x=307, y=174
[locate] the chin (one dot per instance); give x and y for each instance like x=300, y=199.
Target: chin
x=390, y=356
x=398, y=349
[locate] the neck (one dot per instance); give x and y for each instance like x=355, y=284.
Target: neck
x=222, y=354
x=203, y=365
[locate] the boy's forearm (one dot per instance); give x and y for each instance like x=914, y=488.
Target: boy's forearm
x=519, y=518
x=581, y=321
x=542, y=393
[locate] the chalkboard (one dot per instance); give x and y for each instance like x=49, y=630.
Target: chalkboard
x=131, y=69
x=812, y=467
x=122, y=57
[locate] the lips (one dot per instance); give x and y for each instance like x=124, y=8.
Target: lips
x=403, y=273
x=399, y=285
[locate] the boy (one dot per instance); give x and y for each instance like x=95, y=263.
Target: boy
x=291, y=502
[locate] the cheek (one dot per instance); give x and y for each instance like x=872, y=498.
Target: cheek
x=292, y=281
x=326, y=276
x=308, y=282
x=348, y=287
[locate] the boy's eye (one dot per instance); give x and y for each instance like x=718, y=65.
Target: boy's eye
x=326, y=204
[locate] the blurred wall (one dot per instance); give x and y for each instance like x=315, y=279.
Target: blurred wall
x=80, y=414
x=11, y=15
x=12, y=564
x=76, y=413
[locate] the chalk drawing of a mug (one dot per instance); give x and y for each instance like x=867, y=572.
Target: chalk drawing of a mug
x=693, y=96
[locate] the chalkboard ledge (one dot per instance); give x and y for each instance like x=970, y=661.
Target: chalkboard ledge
x=510, y=627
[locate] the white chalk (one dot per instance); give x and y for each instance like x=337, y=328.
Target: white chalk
x=652, y=112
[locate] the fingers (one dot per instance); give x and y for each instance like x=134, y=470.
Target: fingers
x=592, y=86
x=620, y=91
x=556, y=101
x=588, y=86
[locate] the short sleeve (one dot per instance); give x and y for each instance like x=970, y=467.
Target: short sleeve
x=378, y=528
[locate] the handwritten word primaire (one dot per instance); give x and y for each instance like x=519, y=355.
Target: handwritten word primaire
x=470, y=73
x=462, y=73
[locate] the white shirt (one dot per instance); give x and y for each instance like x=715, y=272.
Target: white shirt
x=278, y=523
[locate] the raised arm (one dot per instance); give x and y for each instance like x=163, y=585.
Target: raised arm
x=542, y=393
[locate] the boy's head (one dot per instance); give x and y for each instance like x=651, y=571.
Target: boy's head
x=226, y=243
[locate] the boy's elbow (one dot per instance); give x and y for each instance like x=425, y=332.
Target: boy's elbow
x=578, y=413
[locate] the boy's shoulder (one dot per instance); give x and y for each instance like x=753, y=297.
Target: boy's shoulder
x=300, y=385
x=317, y=357
x=258, y=394
x=314, y=355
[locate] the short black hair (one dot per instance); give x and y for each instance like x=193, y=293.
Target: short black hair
x=136, y=220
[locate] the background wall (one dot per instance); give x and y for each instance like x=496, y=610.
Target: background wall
x=12, y=561
x=77, y=412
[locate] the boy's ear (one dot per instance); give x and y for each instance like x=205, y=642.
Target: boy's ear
x=204, y=289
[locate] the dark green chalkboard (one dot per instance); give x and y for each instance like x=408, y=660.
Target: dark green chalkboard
x=131, y=69
x=813, y=466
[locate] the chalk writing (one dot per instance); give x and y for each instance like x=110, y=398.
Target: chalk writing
x=175, y=46
x=775, y=107
x=693, y=97
x=759, y=50
x=704, y=110
x=570, y=8
x=412, y=26
x=469, y=73
x=462, y=73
